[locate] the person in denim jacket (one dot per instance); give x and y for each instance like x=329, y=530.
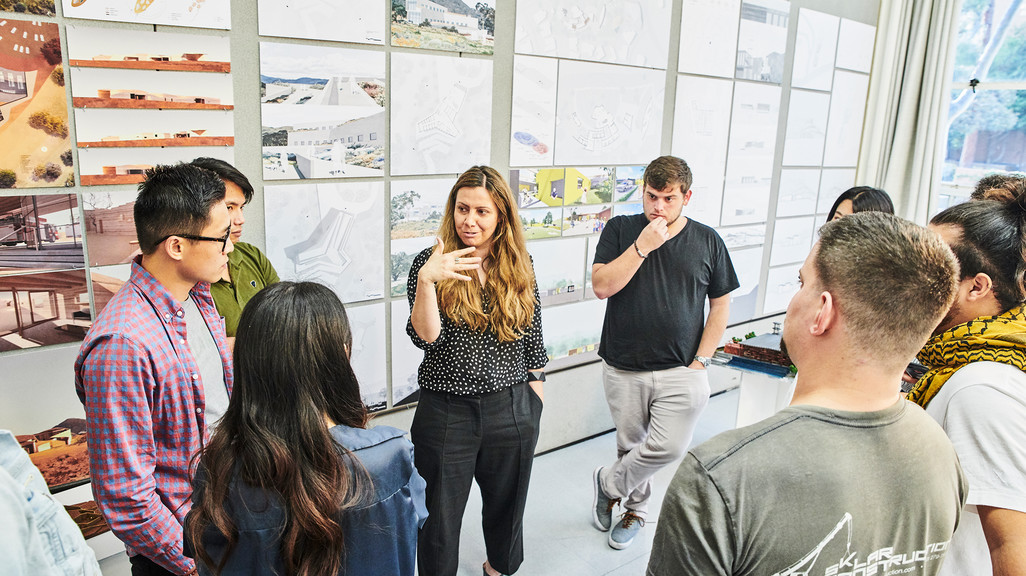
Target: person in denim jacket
x=37, y=536
x=292, y=481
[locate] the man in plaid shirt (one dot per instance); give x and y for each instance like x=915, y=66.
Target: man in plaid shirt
x=155, y=372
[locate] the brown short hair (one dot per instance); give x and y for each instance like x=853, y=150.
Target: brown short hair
x=666, y=171
x=893, y=281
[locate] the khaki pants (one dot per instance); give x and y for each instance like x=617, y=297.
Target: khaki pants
x=655, y=415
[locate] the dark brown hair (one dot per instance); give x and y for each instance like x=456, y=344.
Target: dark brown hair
x=291, y=372
x=666, y=171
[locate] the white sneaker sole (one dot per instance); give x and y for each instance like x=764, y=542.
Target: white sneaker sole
x=619, y=545
x=594, y=502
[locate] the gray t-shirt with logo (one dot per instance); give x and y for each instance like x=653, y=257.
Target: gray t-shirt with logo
x=814, y=491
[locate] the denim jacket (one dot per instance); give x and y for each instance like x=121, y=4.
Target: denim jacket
x=380, y=537
x=37, y=536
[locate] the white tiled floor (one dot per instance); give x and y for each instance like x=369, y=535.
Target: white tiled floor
x=559, y=539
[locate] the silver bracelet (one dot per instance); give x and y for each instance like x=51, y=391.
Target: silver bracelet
x=638, y=250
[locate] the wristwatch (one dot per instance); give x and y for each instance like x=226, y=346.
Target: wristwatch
x=705, y=360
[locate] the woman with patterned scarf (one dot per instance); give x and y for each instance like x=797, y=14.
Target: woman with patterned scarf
x=976, y=385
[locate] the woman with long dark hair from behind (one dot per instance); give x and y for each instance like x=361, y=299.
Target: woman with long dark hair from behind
x=474, y=310
x=292, y=482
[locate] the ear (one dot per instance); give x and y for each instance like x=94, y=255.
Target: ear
x=826, y=315
x=174, y=248
x=981, y=287
x=687, y=197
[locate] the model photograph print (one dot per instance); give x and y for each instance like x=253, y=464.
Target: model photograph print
x=322, y=111
x=109, y=222
x=43, y=308
x=60, y=453
x=40, y=232
x=452, y=25
x=37, y=7
x=35, y=147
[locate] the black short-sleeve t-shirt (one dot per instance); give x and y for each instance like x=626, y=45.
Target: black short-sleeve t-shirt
x=655, y=322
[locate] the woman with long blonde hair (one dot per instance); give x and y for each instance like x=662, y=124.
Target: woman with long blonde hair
x=475, y=312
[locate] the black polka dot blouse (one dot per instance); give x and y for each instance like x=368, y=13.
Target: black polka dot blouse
x=466, y=362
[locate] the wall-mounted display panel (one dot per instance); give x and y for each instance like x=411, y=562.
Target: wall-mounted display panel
x=847, y=110
x=35, y=146
x=608, y=114
x=361, y=22
x=43, y=309
x=781, y=285
x=441, y=113
x=753, y=140
x=704, y=49
x=762, y=40
x=744, y=302
x=194, y=13
x=701, y=126
x=572, y=332
x=792, y=240
x=814, y=50
x=406, y=357
x=328, y=233
x=797, y=193
x=40, y=232
x=109, y=221
x=855, y=45
x=416, y=211
x=613, y=31
x=832, y=183
x=322, y=111
x=533, y=119
x=453, y=26
x=368, y=354
x=559, y=269
x=107, y=165
x=806, y=130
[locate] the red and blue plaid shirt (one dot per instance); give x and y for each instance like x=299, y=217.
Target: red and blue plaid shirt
x=144, y=401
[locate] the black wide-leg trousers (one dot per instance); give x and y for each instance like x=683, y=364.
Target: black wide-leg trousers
x=488, y=437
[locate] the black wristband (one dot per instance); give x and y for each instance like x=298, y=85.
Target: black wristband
x=535, y=376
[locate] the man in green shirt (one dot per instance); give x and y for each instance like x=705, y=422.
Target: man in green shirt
x=249, y=270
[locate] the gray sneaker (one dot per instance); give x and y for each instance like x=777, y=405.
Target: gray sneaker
x=602, y=505
x=625, y=530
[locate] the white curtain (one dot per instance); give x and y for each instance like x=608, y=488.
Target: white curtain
x=909, y=93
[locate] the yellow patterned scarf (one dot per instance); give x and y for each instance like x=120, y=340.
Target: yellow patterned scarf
x=995, y=338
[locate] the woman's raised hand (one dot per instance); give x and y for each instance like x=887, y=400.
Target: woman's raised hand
x=442, y=266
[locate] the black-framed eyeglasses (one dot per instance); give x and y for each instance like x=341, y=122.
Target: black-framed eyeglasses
x=223, y=240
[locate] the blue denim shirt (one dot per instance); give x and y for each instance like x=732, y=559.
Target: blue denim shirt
x=380, y=537
x=37, y=536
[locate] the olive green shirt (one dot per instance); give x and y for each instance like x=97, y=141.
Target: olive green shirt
x=250, y=272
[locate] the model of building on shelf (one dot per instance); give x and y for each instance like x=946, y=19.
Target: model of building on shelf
x=119, y=174
x=151, y=139
x=125, y=98
x=88, y=517
x=60, y=453
x=188, y=61
x=765, y=348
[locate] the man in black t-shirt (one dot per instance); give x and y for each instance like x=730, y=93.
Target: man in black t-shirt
x=657, y=269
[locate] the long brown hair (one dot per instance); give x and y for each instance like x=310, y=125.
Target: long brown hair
x=291, y=371
x=510, y=283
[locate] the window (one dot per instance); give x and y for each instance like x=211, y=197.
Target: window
x=986, y=129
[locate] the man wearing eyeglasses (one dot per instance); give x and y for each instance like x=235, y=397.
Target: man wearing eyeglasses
x=155, y=372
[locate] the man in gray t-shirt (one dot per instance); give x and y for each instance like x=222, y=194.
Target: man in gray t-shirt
x=851, y=478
